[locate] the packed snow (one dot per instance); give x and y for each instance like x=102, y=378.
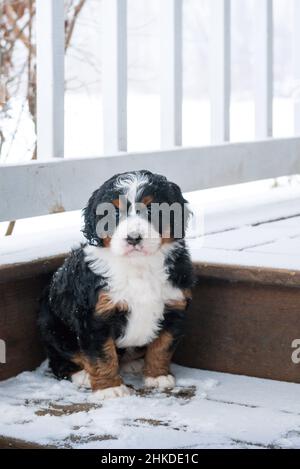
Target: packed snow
x=205, y=410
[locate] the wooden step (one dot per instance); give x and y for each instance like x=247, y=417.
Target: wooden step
x=243, y=320
x=246, y=308
x=20, y=289
x=15, y=443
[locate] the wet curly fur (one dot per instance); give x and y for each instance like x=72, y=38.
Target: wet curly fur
x=77, y=333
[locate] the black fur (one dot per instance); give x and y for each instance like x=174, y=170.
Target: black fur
x=67, y=319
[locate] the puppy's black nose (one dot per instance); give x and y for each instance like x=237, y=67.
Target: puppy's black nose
x=134, y=239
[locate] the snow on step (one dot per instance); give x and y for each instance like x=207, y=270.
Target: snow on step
x=256, y=231
x=206, y=409
x=288, y=246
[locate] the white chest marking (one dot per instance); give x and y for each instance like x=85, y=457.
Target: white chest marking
x=143, y=284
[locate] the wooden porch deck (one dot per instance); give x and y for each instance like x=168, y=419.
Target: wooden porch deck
x=243, y=320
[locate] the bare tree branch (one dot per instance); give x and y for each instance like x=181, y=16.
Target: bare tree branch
x=16, y=27
x=70, y=29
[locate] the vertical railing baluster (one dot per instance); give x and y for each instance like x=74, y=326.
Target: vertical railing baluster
x=114, y=14
x=50, y=40
x=264, y=68
x=296, y=34
x=220, y=70
x=171, y=73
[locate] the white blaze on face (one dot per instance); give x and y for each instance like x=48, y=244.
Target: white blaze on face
x=149, y=243
x=134, y=224
x=131, y=185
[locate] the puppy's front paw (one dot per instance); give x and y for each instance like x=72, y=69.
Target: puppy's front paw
x=81, y=379
x=160, y=382
x=111, y=393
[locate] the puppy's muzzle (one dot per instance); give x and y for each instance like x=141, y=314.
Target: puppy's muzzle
x=134, y=239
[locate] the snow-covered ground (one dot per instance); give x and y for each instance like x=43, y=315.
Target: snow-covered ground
x=205, y=410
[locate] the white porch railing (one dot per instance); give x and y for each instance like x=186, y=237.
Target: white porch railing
x=52, y=183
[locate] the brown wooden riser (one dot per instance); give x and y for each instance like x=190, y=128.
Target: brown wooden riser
x=14, y=443
x=241, y=321
x=243, y=328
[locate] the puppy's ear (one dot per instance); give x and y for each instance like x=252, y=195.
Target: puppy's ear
x=90, y=220
x=175, y=192
x=176, y=196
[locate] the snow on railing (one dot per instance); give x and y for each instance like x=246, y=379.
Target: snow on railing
x=53, y=184
x=297, y=67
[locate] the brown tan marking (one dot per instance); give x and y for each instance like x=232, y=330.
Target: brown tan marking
x=105, y=304
x=106, y=241
x=147, y=200
x=166, y=237
x=179, y=305
x=116, y=203
x=103, y=373
x=120, y=203
x=158, y=356
x=182, y=304
x=159, y=352
x=167, y=240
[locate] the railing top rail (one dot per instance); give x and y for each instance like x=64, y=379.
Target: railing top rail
x=64, y=185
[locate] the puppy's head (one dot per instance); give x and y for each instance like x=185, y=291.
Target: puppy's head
x=136, y=214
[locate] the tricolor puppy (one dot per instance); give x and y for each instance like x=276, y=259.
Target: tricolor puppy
x=121, y=298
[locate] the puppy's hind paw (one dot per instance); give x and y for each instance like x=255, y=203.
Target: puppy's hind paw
x=81, y=379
